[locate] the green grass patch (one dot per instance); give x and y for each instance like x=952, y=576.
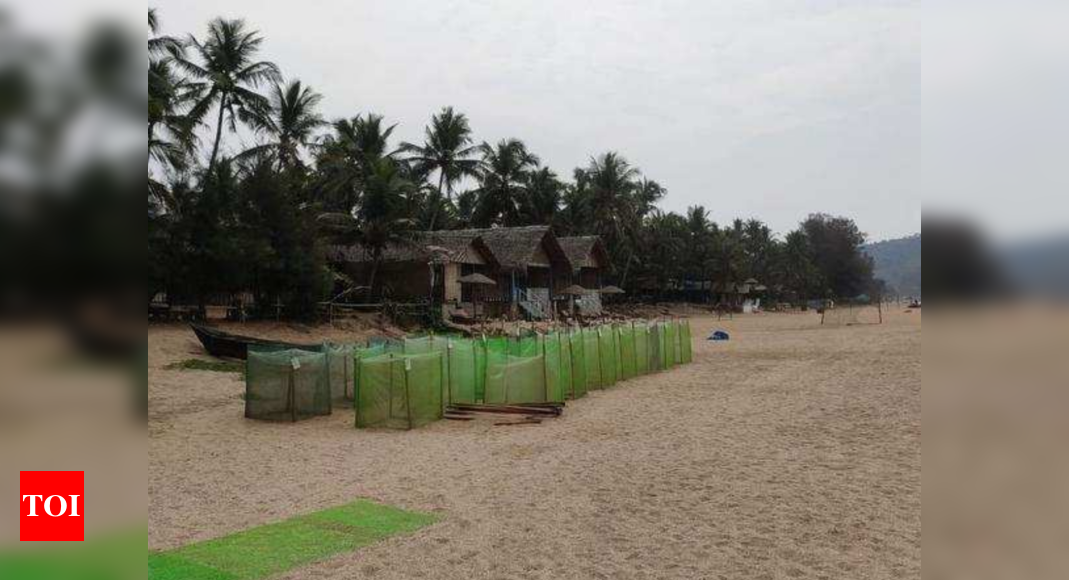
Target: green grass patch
x=98, y=558
x=197, y=364
x=275, y=548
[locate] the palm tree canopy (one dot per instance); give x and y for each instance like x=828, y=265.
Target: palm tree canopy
x=447, y=149
x=290, y=121
x=503, y=181
x=228, y=74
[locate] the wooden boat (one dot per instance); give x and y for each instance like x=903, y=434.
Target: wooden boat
x=225, y=345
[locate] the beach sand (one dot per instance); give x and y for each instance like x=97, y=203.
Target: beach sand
x=791, y=451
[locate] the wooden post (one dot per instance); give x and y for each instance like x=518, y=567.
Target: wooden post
x=390, y=406
x=879, y=308
x=356, y=395
x=408, y=393
x=545, y=374
x=345, y=376
x=292, y=395
x=505, y=372
x=601, y=370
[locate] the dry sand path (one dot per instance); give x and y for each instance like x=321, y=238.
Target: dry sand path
x=792, y=451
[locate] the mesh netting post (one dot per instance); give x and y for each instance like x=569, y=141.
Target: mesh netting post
x=408, y=393
x=545, y=375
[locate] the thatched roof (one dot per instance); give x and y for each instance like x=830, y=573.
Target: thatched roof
x=505, y=248
x=515, y=248
x=585, y=251
x=425, y=247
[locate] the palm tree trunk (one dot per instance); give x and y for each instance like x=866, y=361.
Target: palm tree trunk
x=374, y=271
x=434, y=212
x=218, y=134
x=627, y=267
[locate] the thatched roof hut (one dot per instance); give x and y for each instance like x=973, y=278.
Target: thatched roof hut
x=424, y=247
x=520, y=247
x=586, y=252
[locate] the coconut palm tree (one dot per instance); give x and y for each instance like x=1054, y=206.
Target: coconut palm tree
x=543, y=197
x=171, y=130
x=346, y=156
x=228, y=75
x=380, y=218
x=699, y=250
x=666, y=239
x=159, y=45
x=172, y=137
x=290, y=122
x=614, y=207
x=503, y=181
x=448, y=150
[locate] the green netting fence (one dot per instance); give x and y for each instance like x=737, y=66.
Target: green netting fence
x=642, y=346
x=391, y=382
x=400, y=391
x=341, y=368
x=577, y=353
x=286, y=385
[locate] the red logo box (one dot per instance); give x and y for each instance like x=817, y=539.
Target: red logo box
x=52, y=506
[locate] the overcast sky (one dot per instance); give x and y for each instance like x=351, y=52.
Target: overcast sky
x=767, y=109
x=763, y=108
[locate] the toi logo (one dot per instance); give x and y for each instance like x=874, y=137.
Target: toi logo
x=52, y=506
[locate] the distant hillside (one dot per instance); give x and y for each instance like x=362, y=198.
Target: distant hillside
x=1038, y=266
x=898, y=262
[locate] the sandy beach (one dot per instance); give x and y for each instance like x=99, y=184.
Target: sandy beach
x=791, y=451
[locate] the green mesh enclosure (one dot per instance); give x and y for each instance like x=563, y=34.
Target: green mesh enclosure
x=427, y=344
x=467, y=370
x=341, y=369
x=626, y=337
x=564, y=347
x=515, y=379
x=607, y=352
x=417, y=345
x=551, y=357
x=655, y=344
x=525, y=346
x=286, y=385
x=358, y=355
x=576, y=353
x=592, y=358
x=672, y=343
x=395, y=386
x=642, y=345
x=400, y=391
x=687, y=347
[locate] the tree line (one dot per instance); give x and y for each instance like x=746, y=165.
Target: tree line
x=257, y=220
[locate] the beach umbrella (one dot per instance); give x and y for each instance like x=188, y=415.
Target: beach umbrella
x=573, y=291
x=476, y=279
x=611, y=290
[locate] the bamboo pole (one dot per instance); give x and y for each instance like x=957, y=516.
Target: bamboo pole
x=545, y=373
x=356, y=395
x=408, y=393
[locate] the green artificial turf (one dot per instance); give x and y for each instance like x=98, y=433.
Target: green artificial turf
x=196, y=364
x=275, y=548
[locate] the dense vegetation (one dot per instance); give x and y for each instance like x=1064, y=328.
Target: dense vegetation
x=898, y=262
x=257, y=220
